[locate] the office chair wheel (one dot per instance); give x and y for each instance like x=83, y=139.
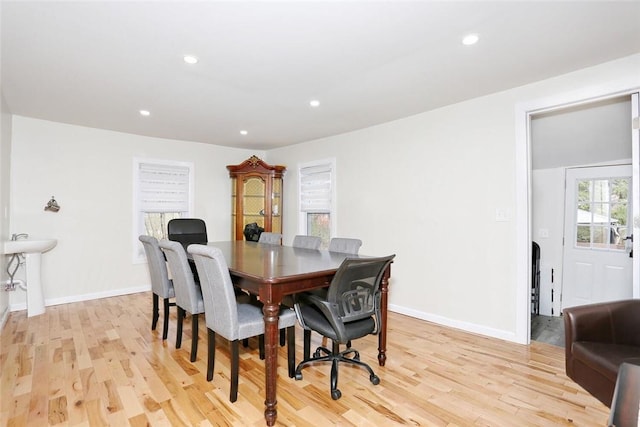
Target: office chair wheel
x=336, y=394
x=375, y=380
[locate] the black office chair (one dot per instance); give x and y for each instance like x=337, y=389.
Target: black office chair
x=535, y=278
x=188, y=231
x=350, y=310
x=336, y=244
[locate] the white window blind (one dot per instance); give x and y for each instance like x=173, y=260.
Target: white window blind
x=315, y=188
x=163, y=187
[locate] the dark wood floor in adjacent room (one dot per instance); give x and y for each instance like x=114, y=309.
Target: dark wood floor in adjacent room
x=547, y=329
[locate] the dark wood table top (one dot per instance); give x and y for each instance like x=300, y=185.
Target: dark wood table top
x=278, y=264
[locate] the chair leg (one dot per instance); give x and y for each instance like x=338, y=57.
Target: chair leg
x=179, y=327
x=335, y=393
x=307, y=345
x=282, y=337
x=261, y=345
x=194, y=337
x=211, y=357
x=165, y=326
x=155, y=315
x=335, y=350
x=291, y=350
x=235, y=361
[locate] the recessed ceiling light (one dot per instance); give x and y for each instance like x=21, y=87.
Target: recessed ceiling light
x=314, y=103
x=244, y=132
x=145, y=113
x=190, y=59
x=470, y=39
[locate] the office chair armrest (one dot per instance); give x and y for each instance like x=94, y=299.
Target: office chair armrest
x=329, y=310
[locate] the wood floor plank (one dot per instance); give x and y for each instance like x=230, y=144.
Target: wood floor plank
x=97, y=363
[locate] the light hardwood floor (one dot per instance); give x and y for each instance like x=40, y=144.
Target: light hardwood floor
x=98, y=363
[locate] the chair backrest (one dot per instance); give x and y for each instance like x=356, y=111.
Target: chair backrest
x=308, y=242
x=160, y=283
x=187, y=293
x=220, y=305
x=344, y=245
x=270, y=238
x=355, y=287
x=187, y=231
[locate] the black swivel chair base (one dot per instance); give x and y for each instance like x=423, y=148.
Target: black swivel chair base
x=335, y=357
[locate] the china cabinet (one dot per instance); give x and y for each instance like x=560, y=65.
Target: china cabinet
x=256, y=196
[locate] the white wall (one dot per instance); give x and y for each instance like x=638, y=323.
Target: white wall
x=89, y=171
x=547, y=229
x=427, y=188
x=5, y=158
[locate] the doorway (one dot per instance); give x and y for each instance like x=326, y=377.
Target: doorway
x=546, y=176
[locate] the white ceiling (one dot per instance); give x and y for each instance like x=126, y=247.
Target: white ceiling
x=97, y=63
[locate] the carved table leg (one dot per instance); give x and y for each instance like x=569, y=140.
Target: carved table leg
x=384, y=300
x=271, y=311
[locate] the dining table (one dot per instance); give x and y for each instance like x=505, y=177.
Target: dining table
x=272, y=271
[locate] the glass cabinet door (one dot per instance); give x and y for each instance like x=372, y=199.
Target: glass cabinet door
x=276, y=206
x=253, y=201
x=256, y=196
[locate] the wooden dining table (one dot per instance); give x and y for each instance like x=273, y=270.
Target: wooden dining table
x=272, y=271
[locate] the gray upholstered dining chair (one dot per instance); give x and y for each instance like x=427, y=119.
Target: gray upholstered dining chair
x=308, y=242
x=350, y=310
x=188, y=294
x=226, y=316
x=161, y=285
x=270, y=238
x=345, y=245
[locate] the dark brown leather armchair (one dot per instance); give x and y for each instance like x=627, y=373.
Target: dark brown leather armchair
x=598, y=339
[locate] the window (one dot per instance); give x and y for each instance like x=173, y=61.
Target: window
x=317, y=199
x=163, y=190
x=602, y=213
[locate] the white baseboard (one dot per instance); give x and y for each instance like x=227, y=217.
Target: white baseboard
x=452, y=323
x=85, y=297
x=440, y=320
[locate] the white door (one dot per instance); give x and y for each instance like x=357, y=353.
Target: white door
x=598, y=209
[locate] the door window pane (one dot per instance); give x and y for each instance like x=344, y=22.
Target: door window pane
x=602, y=210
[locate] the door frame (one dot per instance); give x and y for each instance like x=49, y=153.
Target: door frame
x=523, y=113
